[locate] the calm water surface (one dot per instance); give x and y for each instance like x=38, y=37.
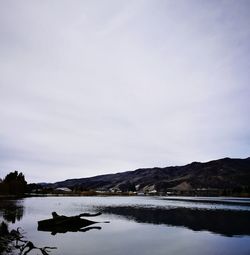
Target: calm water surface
x=138, y=225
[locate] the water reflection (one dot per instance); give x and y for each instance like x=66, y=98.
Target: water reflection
x=65, y=229
x=225, y=222
x=11, y=210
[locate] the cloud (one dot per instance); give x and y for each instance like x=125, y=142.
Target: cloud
x=94, y=87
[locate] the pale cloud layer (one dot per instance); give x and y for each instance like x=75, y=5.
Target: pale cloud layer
x=93, y=87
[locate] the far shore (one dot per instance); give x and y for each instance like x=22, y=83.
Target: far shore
x=191, y=198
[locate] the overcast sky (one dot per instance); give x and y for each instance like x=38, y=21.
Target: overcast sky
x=93, y=87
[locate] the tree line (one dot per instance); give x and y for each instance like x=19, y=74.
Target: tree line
x=14, y=183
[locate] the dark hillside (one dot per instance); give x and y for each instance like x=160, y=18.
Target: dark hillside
x=223, y=174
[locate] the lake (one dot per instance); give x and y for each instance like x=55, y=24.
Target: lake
x=138, y=225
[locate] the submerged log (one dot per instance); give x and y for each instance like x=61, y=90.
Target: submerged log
x=63, y=224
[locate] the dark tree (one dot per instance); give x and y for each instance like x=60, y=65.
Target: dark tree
x=13, y=183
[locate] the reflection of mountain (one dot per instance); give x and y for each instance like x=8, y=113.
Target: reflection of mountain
x=224, y=222
x=11, y=210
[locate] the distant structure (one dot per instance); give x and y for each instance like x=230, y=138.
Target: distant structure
x=63, y=189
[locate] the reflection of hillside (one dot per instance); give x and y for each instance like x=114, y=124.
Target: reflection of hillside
x=11, y=210
x=224, y=222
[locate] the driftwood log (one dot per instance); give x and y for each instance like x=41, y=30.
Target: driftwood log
x=63, y=224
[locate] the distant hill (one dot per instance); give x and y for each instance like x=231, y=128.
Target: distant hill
x=222, y=174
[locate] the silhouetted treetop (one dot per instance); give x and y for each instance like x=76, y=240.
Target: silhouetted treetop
x=14, y=176
x=13, y=183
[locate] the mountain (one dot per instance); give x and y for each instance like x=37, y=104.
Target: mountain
x=222, y=174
